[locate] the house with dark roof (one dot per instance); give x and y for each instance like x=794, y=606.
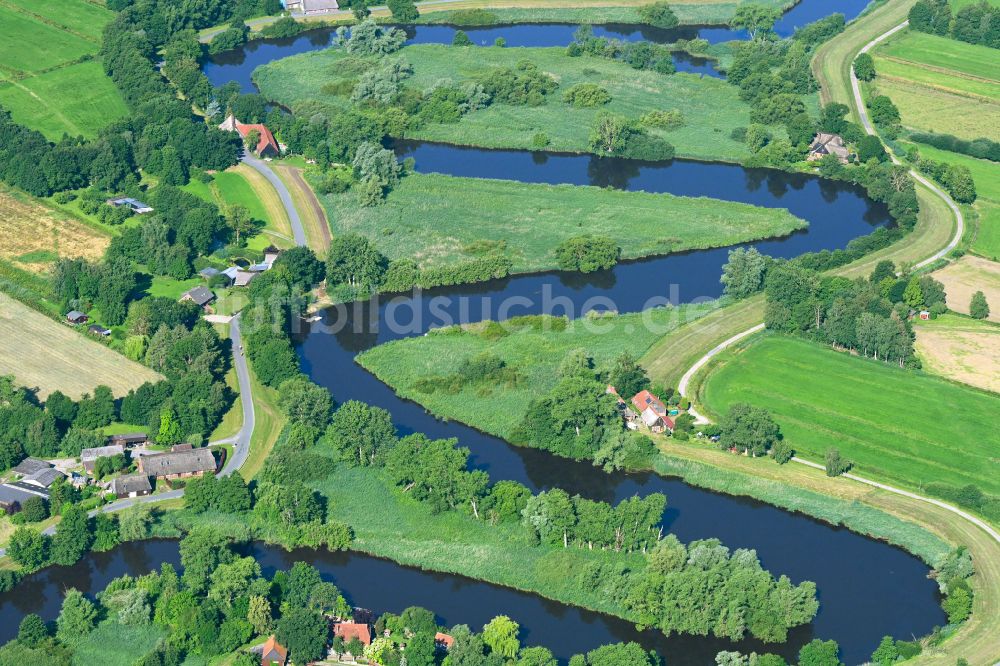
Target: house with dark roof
x=132, y=485
x=76, y=317
x=828, y=144
x=43, y=478
x=129, y=439
x=273, y=653
x=177, y=464
x=134, y=205
x=29, y=466
x=200, y=296
x=97, y=329
x=89, y=456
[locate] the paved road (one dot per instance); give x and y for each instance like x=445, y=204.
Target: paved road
x=286, y=197
x=867, y=124
x=241, y=440
x=682, y=386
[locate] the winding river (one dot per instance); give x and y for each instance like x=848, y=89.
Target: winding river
x=867, y=589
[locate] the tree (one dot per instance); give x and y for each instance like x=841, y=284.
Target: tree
x=304, y=402
x=551, y=515
x=134, y=523
x=73, y=536
x=864, y=67
x=239, y=220
x=958, y=604
x=354, y=261
x=587, y=254
x=27, y=547
x=883, y=269
x=835, y=463
x=978, y=307
x=304, y=633
x=659, y=14
x=259, y=614
x=886, y=653
x=420, y=649
x=914, y=294
x=304, y=269
x=403, y=11
x=749, y=429
x=820, y=653
x=610, y=133
x=97, y=411
x=783, y=452
x=170, y=430
x=757, y=20
x=743, y=273
x=500, y=634
x=302, y=579
x=627, y=376
x=869, y=148
x=32, y=630
x=34, y=510
x=362, y=433
x=461, y=38
x=77, y=618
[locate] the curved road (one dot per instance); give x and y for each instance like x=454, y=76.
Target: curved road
x=286, y=197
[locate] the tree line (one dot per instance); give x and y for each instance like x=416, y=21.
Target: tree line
x=976, y=23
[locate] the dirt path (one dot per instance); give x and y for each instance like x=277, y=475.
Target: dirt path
x=312, y=211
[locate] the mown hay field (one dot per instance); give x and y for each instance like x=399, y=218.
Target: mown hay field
x=962, y=349
x=47, y=355
x=33, y=236
x=903, y=426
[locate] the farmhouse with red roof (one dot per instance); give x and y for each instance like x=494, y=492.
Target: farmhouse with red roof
x=266, y=145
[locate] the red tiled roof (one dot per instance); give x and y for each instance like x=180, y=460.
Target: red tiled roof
x=644, y=399
x=444, y=639
x=273, y=652
x=266, y=138
x=349, y=630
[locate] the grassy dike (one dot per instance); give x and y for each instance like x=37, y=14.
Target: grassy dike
x=711, y=108
x=440, y=220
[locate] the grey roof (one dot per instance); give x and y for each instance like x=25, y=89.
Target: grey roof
x=133, y=483
x=231, y=272
x=243, y=277
x=44, y=477
x=18, y=492
x=179, y=462
x=75, y=314
x=101, y=452
x=129, y=437
x=209, y=272
x=200, y=295
x=31, y=465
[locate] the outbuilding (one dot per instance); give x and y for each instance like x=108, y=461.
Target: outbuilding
x=89, y=456
x=76, y=317
x=200, y=296
x=132, y=485
x=97, y=329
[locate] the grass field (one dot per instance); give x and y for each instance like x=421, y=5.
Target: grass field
x=45, y=354
x=986, y=175
x=941, y=84
x=965, y=277
x=436, y=219
x=311, y=211
x=534, y=354
x=894, y=424
x=241, y=185
x=962, y=349
x=710, y=107
x=33, y=236
x=49, y=80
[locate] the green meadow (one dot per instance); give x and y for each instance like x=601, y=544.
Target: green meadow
x=986, y=176
x=710, y=107
x=941, y=84
x=897, y=425
x=50, y=78
x=534, y=349
x=437, y=220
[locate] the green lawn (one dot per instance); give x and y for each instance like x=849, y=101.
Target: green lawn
x=902, y=426
x=986, y=175
x=535, y=354
x=711, y=107
x=436, y=219
x=81, y=17
x=48, y=80
x=29, y=45
x=78, y=99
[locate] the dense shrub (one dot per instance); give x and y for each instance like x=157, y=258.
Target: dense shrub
x=522, y=85
x=668, y=120
x=982, y=148
x=587, y=254
x=472, y=17
x=658, y=14
x=586, y=95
